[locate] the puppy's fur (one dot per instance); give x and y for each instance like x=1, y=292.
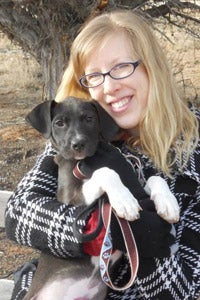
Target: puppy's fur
x=75, y=128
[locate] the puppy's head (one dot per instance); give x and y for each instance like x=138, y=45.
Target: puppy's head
x=75, y=126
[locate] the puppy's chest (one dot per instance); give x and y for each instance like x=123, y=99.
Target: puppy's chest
x=69, y=189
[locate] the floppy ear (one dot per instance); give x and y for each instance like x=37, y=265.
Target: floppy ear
x=40, y=118
x=108, y=126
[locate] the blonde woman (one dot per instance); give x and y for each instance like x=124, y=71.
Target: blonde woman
x=116, y=60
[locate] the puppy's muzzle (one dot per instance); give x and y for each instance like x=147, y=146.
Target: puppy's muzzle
x=78, y=145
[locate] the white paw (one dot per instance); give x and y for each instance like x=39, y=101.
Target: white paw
x=124, y=204
x=165, y=202
x=105, y=180
x=91, y=191
x=167, y=207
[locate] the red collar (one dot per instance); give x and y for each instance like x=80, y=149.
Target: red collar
x=77, y=172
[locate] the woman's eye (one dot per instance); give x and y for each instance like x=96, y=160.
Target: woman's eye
x=93, y=78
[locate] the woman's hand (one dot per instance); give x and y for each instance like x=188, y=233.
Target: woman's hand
x=154, y=236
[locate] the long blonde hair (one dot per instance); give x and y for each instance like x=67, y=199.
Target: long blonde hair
x=167, y=118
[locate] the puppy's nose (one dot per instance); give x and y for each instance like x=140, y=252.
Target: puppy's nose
x=78, y=145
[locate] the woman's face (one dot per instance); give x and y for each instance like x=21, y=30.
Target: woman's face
x=124, y=99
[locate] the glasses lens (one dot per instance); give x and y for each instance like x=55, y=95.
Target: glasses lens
x=119, y=71
x=92, y=80
x=122, y=70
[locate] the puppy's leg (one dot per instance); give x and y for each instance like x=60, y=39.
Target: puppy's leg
x=165, y=202
x=105, y=180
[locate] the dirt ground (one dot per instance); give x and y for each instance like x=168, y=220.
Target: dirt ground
x=20, y=146
x=19, y=143
x=20, y=91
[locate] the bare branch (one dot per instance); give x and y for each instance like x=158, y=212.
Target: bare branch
x=46, y=28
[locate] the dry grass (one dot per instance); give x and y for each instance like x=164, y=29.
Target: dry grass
x=14, y=133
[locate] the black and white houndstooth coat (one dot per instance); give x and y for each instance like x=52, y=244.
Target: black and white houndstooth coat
x=36, y=219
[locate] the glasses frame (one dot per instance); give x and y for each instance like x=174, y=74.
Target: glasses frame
x=135, y=65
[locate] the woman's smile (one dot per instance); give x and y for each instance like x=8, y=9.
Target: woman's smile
x=125, y=99
x=120, y=105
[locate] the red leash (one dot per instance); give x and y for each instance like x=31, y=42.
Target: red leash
x=106, y=250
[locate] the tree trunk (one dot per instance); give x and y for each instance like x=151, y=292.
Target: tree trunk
x=45, y=28
x=53, y=61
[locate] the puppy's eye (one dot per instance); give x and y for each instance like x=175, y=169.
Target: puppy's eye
x=88, y=119
x=60, y=123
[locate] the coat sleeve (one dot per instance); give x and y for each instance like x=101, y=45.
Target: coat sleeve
x=176, y=277
x=171, y=278
x=35, y=218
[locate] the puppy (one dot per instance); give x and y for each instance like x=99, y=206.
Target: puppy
x=76, y=128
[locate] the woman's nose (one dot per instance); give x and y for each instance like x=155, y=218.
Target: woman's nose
x=110, y=85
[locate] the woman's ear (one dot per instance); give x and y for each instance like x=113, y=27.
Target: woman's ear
x=108, y=127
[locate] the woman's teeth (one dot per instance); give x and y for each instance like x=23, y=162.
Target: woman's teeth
x=119, y=104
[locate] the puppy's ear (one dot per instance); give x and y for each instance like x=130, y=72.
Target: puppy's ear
x=40, y=118
x=108, y=126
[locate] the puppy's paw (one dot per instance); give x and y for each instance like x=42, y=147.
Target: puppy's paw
x=165, y=202
x=122, y=201
x=105, y=180
x=91, y=191
x=124, y=204
x=167, y=207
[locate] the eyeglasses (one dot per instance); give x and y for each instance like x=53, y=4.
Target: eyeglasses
x=119, y=71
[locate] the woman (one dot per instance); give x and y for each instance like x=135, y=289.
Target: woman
x=116, y=60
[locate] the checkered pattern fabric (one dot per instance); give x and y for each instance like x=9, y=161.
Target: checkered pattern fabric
x=36, y=219
x=176, y=277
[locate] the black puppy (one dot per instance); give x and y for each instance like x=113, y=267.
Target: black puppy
x=80, y=129
x=75, y=128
